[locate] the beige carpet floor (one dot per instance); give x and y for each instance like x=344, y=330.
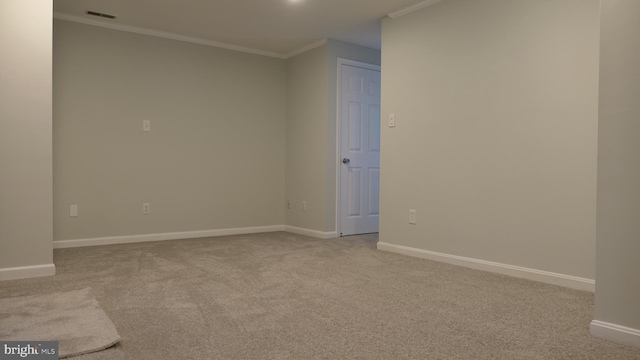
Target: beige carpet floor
x=285, y=296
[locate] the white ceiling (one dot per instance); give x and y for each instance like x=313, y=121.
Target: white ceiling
x=277, y=27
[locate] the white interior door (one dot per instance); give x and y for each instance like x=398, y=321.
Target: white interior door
x=359, y=150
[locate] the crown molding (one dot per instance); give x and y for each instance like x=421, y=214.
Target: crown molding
x=412, y=8
x=166, y=35
x=306, y=48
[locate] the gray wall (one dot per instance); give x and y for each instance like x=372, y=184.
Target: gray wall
x=215, y=158
x=618, y=245
x=496, y=137
x=307, y=139
x=25, y=134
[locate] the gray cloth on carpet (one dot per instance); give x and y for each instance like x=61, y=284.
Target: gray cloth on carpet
x=73, y=318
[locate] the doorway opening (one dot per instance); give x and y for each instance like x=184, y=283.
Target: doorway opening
x=358, y=148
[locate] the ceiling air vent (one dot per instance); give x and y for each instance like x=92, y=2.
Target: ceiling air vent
x=95, y=13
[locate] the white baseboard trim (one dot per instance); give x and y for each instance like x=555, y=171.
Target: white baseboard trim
x=615, y=333
x=24, y=272
x=312, y=233
x=511, y=270
x=112, y=240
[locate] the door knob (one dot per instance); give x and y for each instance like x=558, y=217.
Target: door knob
x=346, y=161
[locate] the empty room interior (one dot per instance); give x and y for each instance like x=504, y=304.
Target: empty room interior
x=382, y=179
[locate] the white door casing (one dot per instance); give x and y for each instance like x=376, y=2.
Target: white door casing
x=359, y=149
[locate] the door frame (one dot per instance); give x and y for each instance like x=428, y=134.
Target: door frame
x=358, y=64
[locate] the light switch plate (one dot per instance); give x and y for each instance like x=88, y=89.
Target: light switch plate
x=412, y=217
x=392, y=120
x=146, y=125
